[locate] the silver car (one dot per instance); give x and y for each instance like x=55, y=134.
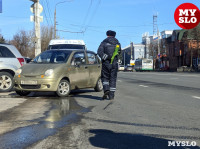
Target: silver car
x=10, y=61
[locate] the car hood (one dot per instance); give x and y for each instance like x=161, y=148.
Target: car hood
x=38, y=69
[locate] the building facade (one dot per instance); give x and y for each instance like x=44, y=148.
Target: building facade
x=138, y=51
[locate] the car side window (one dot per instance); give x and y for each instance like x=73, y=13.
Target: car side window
x=92, y=58
x=78, y=57
x=5, y=52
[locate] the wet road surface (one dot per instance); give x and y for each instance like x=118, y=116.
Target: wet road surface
x=149, y=110
x=37, y=118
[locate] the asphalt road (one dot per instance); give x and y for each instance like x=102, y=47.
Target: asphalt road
x=150, y=109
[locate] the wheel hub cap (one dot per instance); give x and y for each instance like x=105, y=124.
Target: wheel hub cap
x=5, y=82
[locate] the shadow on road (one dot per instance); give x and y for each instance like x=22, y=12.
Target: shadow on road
x=79, y=93
x=74, y=93
x=111, y=140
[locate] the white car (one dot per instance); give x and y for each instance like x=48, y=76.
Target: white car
x=10, y=61
x=66, y=44
x=121, y=68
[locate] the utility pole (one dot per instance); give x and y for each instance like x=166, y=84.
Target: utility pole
x=155, y=31
x=55, y=36
x=55, y=24
x=36, y=8
x=155, y=24
x=131, y=45
x=124, y=57
x=37, y=29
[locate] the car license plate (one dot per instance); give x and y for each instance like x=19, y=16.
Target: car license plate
x=29, y=82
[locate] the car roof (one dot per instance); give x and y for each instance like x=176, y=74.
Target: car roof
x=63, y=41
x=72, y=50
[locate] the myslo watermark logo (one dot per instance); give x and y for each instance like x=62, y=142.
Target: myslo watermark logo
x=182, y=143
x=187, y=16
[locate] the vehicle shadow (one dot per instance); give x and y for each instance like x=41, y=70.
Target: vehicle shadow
x=79, y=93
x=36, y=94
x=74, y=93
x=112, y=140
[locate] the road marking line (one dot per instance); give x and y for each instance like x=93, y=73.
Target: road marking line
x=143, y=86
x=173, y=78
x=196, y=97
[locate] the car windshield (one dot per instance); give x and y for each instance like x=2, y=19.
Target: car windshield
x=66, y=46
x=52, y=57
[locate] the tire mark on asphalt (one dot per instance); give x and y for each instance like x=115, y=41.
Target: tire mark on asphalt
x=144, y=125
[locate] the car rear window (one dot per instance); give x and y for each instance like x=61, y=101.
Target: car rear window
x=6, y=53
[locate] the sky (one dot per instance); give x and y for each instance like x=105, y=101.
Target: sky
x=129, y=18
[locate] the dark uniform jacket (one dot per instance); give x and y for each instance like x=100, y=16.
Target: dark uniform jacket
x=106, y=49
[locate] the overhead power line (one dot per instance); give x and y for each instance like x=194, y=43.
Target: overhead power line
x=85, y=18
x=150, y=24
x=92, y=16
x=15, y=17
x=47, y=4
x=45, y=14
x=94, y=13
x=71, y=31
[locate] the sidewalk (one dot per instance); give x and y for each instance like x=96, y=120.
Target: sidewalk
x=8, y=101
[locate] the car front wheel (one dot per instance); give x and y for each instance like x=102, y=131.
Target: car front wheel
x=63, y=88
x=22, y=93
x=99, y=86
x=6, y=82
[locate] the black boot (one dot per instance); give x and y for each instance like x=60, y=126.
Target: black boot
x=105, y=96
x=111, y=95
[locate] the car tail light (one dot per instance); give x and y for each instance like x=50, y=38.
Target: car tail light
x=21, y=61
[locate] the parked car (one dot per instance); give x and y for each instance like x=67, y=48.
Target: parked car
x=10, y=61
x=129, y=68
x=121, y=68
x=66, y=44
x=27, y=59
x=60, y=71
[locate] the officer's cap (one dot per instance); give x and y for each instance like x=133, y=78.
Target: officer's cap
x=111, y=33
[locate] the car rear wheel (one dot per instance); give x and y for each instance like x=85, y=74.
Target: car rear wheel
x=22, y=93
x=6, y=82
x=64, y=88
x=99, y=86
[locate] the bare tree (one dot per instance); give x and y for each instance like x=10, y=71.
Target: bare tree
x=46, y=36
x=150, y=47
x=2, y=40
x=24, y=40
x=153, y=49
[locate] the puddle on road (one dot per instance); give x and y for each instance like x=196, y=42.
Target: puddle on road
x=63, y=112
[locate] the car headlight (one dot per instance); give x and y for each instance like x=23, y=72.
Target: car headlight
x=49, y=72
x=19, y=71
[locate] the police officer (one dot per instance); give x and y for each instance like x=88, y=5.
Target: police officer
x=109, y=69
